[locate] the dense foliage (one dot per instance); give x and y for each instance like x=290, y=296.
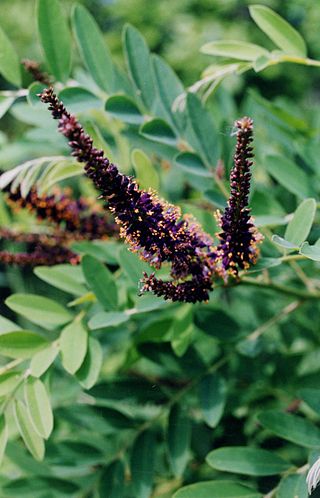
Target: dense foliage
x=115, y=391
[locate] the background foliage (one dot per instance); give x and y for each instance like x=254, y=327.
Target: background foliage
x=117, y=395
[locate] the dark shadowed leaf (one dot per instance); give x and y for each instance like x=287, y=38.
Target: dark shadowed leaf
x=179, y=436
x=217, y=324
x=101, y=281
x=212, y=397
x=112, y=481
x=142, y=464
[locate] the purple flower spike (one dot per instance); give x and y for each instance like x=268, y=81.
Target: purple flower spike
x=239, y=237
x=152, y=227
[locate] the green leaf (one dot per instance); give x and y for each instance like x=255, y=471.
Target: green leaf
x=3, y=437
x=113, y=481
x=78, y=99
x=8, y=382
x=132, y=265
x=125, y=109
x=41, y=361
x=65, y=277
x=192, y=163
x=40, y=310
x=142, y=464
x=72, y=357
x=217, y=324
x=22, y=344
x=291, y=427
x=311, y=252
x=288, y=174
x=247, y=461
x=139, y=65
x=39, y=407
x=32, y=440
x=179, y=437
x=61, y=170
x=102, y=250
x=159, y=131
x=311, y=397
x=146, y=173
x=100, y=281
x=278, y=30
x=55, y=38
x=182, y=329
x=299, y=227
x=216, y=489
x=169, y=88
x=93, y=49
x=107, y=319
x=204, y=130
x=280, y=241
x=234, y=50
x=9, y=61
x=212, y=397
x=293, y=485
x=7, y=325
x=5, y=104
x=88, y=373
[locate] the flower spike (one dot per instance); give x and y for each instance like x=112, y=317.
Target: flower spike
x=152, y=227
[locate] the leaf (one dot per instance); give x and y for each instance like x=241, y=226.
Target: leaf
x=8, y=382
x=311, y=397
x=146, y=173
x=278, y=30
x=38, y=309
x=41, y=361
x=7, y=325
x=132, y=265
x=22, y=344
x=113, y=481
x=5, y=102
x=247, y=461
x=169, y=88
x=102, y=250
x=234, y=50
x=78, y=99
x=299, y=227
x=179, y=437
x=142, y=464
x=293, y=485
x=204, y=129
x=55, y=38
x=288, y=174
x=39, y=407
x=192, y=163
x=60, y=170
x=3, y=437
x=125, y=109
x=65, y=277
x=158, y=130
x=311, y=252
x=93, y=49
x=32, y=440
x=9, y=61
x=217, y=323
x=280, y=241
x=139, y=65
x=107, y=319
x=72, y=357
x=212, y=398
x=88, y=373
x=182, y=329
x=291, y=427
x=100, y=281
x=216, y=489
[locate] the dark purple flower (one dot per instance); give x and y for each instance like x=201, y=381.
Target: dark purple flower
x=239, y=237
x=151, y=226
x=74, y=216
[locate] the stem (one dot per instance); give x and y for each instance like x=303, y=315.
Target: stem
x=11, y=365
x=283, y=289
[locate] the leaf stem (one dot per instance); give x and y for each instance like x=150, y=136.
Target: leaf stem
x=290, y=291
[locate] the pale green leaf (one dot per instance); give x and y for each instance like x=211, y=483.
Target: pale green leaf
x=72, y=357
x=299, y=227
x=21, y=344
x=32, y=440
x=39, y=406
x=9, y=61
x=88, y=373
x=146, y=173
x=234, y=50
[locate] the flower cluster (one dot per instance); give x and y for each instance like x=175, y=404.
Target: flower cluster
x=41, y=249
x=239, y=238
x=74, y=216
x=152, y=227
